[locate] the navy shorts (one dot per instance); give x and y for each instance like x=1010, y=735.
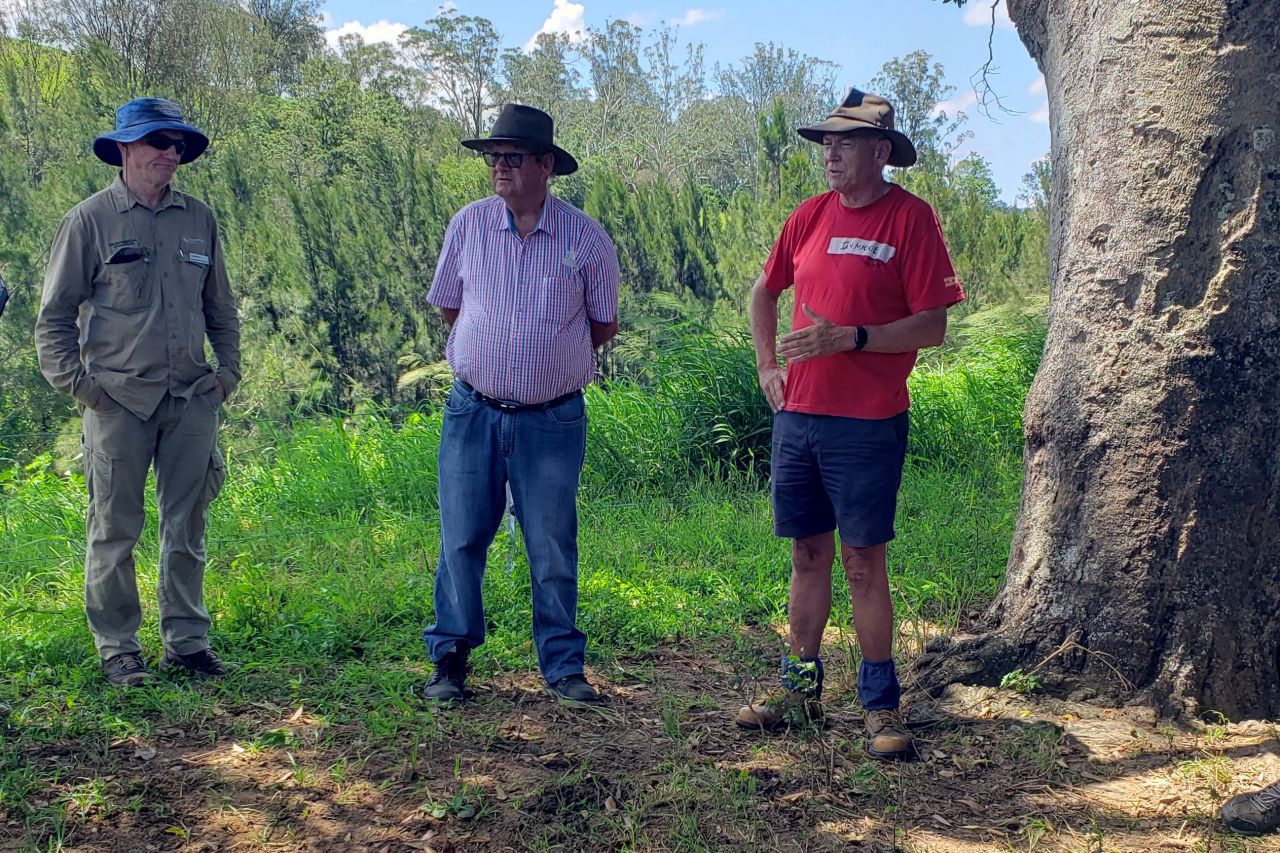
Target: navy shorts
x=832, y=473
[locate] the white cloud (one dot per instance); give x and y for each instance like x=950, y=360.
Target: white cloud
x=643, y=20
x=565, y=17
x=692, y=17
x=1041, y=115
x=956, y=104
x=978, y=14
x=385, y=31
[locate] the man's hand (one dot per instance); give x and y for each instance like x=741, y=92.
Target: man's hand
x=822, y=338
x=221, y=389
x=773, y=382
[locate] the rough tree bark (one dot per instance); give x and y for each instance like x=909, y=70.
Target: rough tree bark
x=1147, y=547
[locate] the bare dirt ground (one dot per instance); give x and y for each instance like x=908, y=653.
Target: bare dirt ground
x=661, y=767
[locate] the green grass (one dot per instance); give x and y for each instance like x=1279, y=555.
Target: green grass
x=322, y=551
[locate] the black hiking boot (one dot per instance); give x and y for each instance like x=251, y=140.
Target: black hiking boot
x=202, y=664
x=575, y=690
x=1255, y=813
x=127, y=670
x=445, y=684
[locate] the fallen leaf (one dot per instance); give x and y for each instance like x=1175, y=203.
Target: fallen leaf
x=296, y=715
x=610, y=805
x=942, y=820
x=499, y=793
x=940, y=755
x=146, y=753
x=794, y=797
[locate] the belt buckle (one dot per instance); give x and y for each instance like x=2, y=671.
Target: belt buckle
x=508, y=406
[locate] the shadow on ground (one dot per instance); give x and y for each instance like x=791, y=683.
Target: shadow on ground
x=659, y=768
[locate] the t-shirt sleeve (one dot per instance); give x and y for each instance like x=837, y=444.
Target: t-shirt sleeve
x=600, y=278
x=446, y=286
x=927, y=275
x=779, y=269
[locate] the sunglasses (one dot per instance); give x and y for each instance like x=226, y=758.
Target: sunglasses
x=162, y=143
x=514, y=159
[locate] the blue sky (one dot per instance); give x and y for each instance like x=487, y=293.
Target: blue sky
x=857, y=35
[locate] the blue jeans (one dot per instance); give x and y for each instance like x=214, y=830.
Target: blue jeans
x=540, y=454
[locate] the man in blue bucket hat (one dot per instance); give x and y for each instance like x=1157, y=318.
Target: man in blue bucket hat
x=134, y=286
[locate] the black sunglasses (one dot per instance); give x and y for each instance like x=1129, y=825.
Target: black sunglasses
x=515, y=159
x=162, y=143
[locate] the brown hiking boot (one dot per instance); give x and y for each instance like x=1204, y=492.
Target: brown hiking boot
x=781, y=709
x=887, y=736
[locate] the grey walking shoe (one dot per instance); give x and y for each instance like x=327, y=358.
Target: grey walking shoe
x=1255, y=813
x=127, y=670
x=446, y=682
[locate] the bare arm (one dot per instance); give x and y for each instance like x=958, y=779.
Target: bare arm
x=924, y=329
x=764, y=333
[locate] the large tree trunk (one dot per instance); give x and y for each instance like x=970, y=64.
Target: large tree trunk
x=1147, y=548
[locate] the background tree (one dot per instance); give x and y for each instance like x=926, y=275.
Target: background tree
x=457, y=56
x=1148, y=537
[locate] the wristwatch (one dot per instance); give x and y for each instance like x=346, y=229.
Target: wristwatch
x=859, y=337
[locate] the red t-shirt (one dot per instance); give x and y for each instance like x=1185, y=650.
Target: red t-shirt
x=859, y=266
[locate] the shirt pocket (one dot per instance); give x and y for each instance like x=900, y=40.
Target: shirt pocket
x=560, y=298
x=193, y=269
x=124, y=284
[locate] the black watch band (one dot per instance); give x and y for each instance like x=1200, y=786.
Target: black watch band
x=859, y=338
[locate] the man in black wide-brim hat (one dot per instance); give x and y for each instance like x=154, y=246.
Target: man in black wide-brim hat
x=528, y=285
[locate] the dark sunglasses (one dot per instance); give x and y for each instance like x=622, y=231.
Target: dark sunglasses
x=515, y=159
x=162, y=143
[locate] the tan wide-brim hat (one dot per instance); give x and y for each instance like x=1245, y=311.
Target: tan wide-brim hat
x=861, y=111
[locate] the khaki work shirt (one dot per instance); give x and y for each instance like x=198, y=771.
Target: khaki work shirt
x=130, y=295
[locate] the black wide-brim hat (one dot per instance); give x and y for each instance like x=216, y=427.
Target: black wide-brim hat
x=141, y=116
x=861, y=111
x=530, y=126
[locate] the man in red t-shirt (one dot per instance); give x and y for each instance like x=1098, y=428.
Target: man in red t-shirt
x=873, y=283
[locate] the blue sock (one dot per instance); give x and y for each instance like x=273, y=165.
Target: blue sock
x=802, y=674
x=878, y=688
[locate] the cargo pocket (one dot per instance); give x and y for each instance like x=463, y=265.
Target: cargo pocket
x=97, y=474
x=216, y=477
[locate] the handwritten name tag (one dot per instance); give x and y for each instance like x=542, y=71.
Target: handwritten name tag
x=855, y=246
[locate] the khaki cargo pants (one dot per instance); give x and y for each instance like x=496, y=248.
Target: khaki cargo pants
x=180, y=439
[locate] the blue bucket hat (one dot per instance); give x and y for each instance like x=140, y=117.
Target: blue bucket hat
x=141, y=116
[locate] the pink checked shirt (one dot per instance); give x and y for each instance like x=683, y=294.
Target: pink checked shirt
x=522, y=331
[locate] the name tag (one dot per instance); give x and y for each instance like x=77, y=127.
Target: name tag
x=202, y=260
x=867, y=248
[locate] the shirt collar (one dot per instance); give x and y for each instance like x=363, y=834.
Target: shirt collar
x=124, y=199
x=507, y=222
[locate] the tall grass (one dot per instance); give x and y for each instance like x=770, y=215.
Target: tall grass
x=323, y=544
